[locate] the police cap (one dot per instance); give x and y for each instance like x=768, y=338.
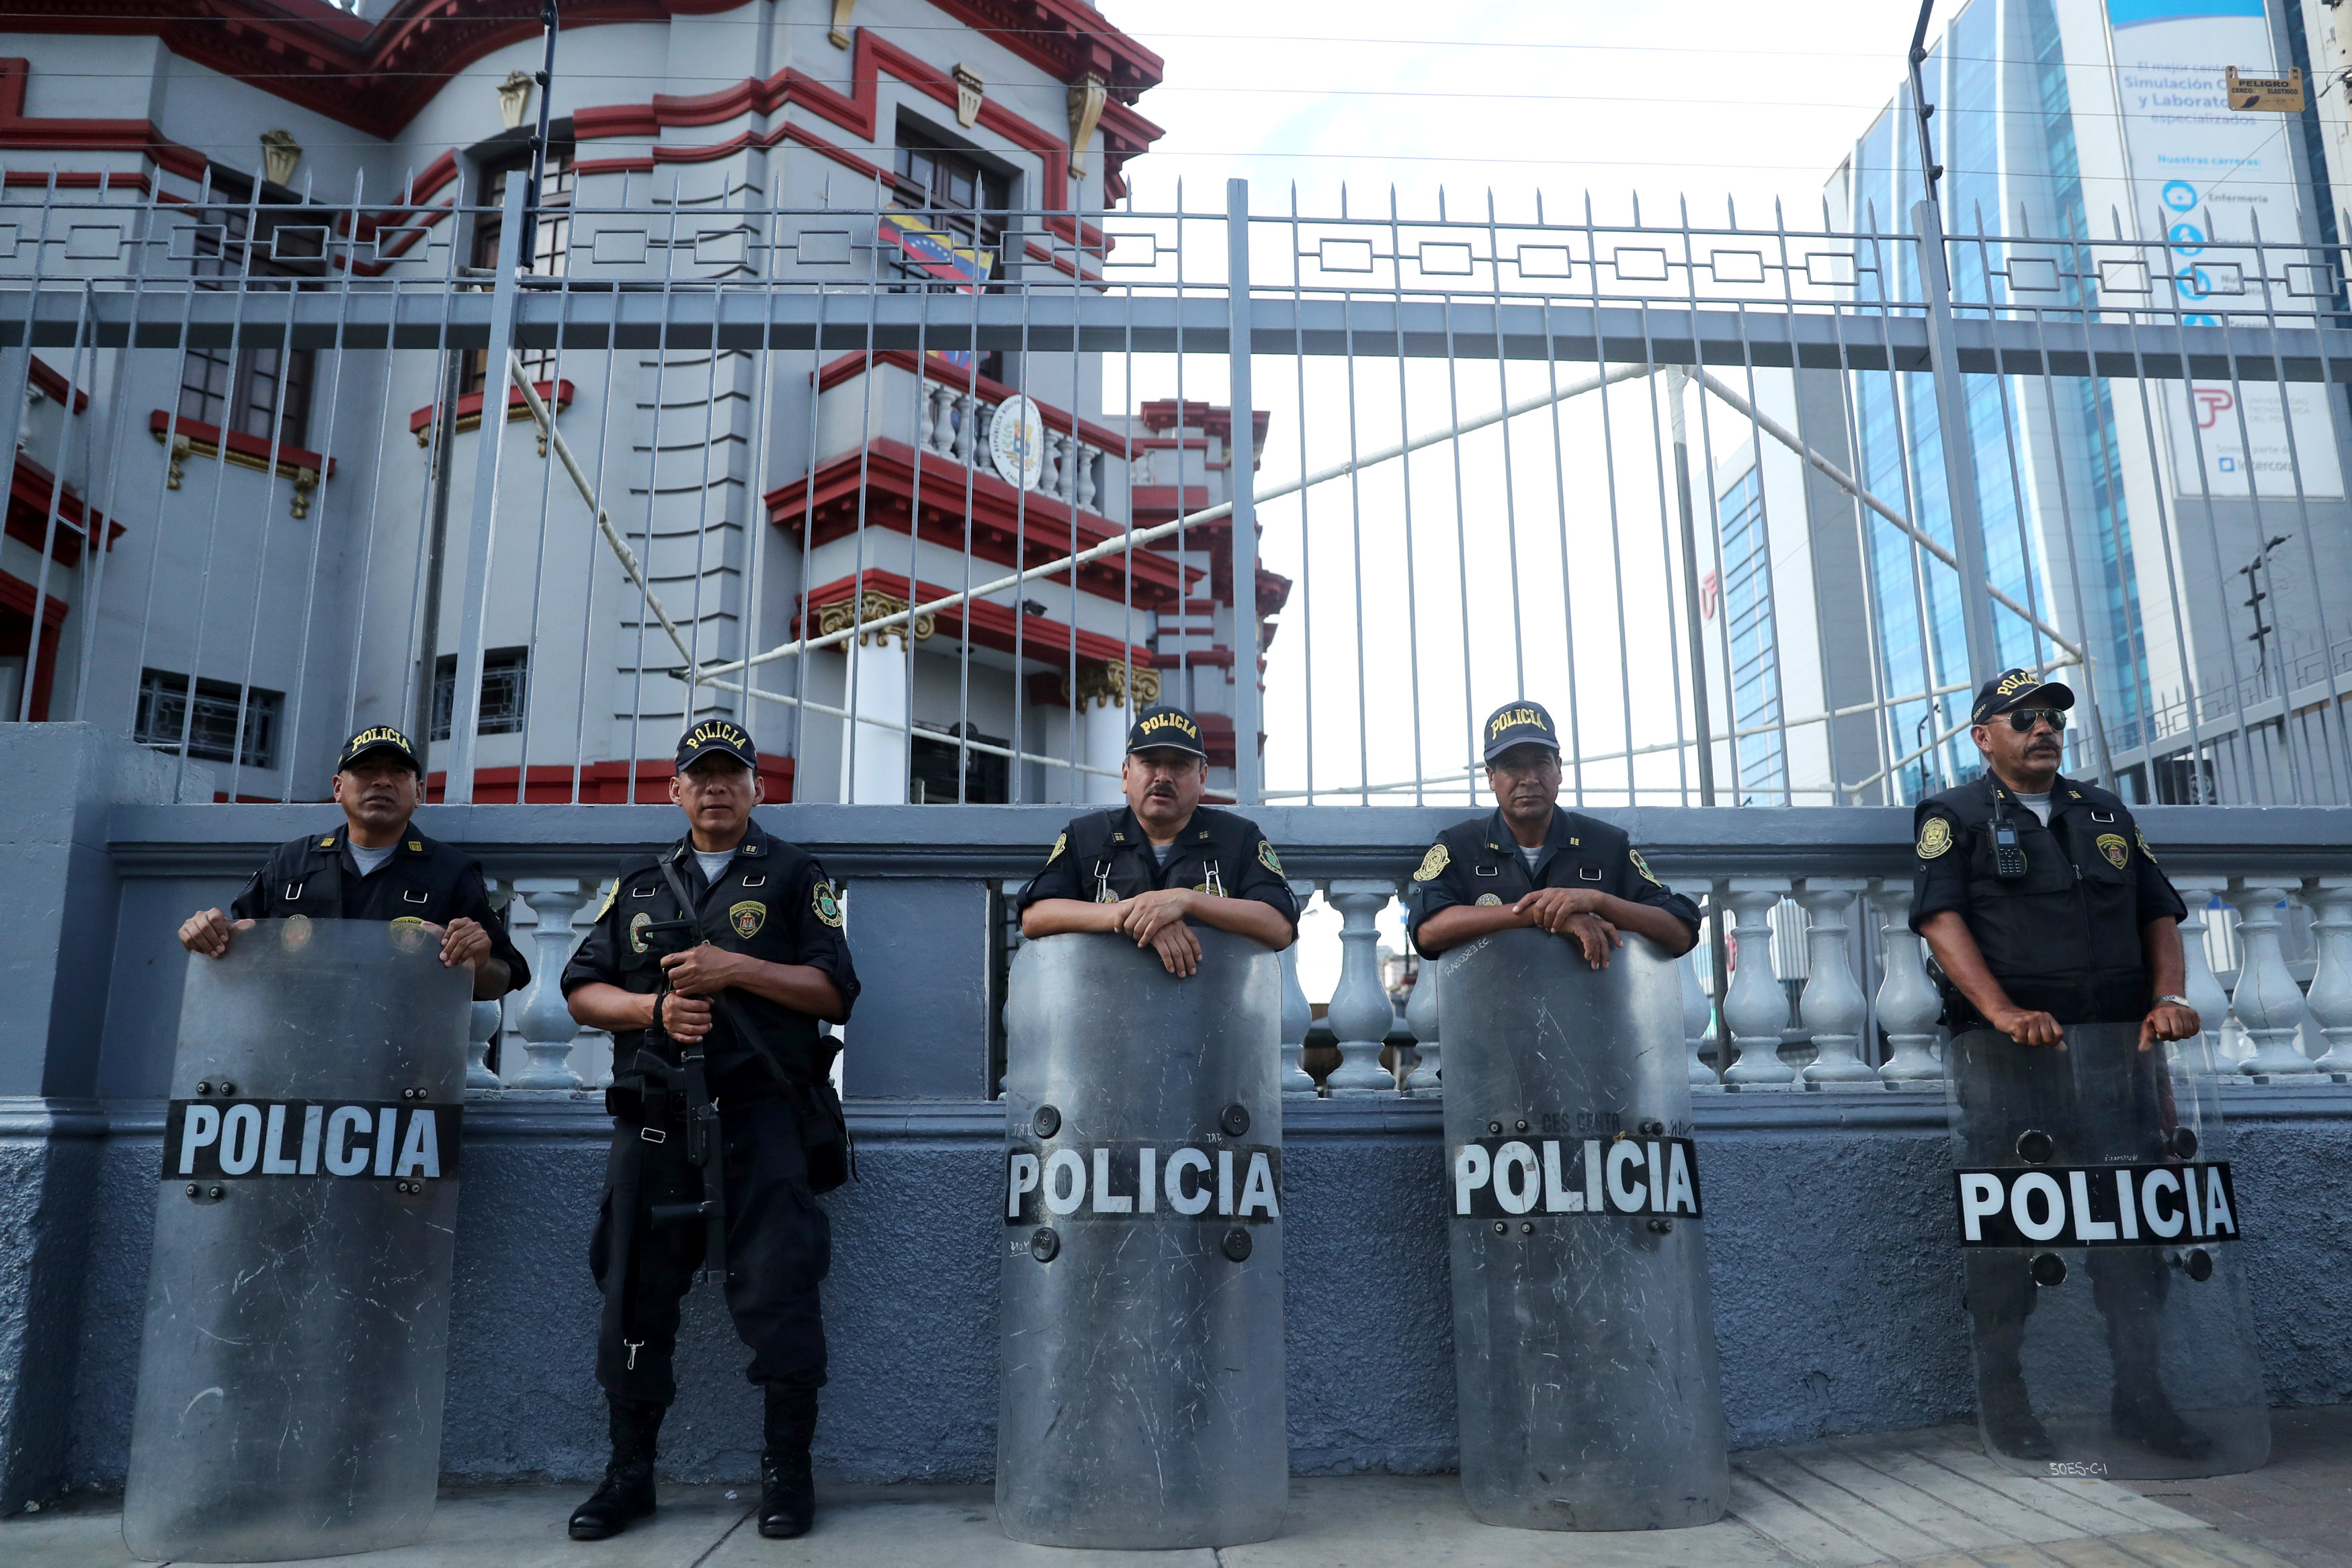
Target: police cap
x=382, y=737
x=1165, y=728
x=1519, y=723
x=2018, y=688
x=716, y=737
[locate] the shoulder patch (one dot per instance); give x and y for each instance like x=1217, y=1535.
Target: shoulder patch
x=1642, y=866
x=2113, y=847
x=1060, y=843
x=828, y=905
x=612, y=891
x=1935, y=838
x=1433, y=864
x=2138, y=832
x=1267, y=858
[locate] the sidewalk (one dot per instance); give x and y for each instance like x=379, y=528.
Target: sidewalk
x=1926, y=1498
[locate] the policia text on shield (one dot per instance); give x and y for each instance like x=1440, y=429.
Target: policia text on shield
x=375, y=867
x=2078, y=1132
x=712, y=967
x=1140, y=1400
x=1585, y=1367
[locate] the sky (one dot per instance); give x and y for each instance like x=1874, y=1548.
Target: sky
x=1726, y=107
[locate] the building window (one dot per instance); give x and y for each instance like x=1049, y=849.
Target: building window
x=261, y=392
x=212, y=727
x=550, y=247
x=506, y=690
x=955, y=190
x=931, y=768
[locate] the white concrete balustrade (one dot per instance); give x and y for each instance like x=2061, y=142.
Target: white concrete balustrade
x=1867, y=1004
x=954, y=425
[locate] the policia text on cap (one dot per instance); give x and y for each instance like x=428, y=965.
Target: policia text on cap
x=375, y=867
x=1108, y=872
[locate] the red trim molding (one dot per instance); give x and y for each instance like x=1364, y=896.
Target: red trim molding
x=469, y=409
x=17, y=598
x=50, y=383
x=857, y=111
x=28, y=517
x=141, y=136
x=879, y=483
x=1042, y=639
x=235, y=444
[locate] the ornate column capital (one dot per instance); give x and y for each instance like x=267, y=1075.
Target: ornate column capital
x=873, y=605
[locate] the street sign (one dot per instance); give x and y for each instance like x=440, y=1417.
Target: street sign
x=2279, y=95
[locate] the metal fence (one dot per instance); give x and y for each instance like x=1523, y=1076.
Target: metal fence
x=930, y=499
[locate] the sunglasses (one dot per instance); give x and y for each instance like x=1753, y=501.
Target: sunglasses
x=2023, y=720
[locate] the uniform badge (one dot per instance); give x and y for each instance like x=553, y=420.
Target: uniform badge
x=827, y=907
x=1432, y=864
x=1060, y=843
x=1488, y=901
x=1267, y=858
x=408, y=920
x=408, y=934
x=1643, y=867
x=2112, y=845
x=637, y=923
x=297, y=933
x=748, y=916
x=2142, y=837
x=1935, y=838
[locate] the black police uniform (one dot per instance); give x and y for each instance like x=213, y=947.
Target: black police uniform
x=2063, y=937
x=422, y=881
x=773, y=902
x=1478, y=862
x=1106, y=856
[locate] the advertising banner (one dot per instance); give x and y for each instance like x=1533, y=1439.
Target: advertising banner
x=2203, y=173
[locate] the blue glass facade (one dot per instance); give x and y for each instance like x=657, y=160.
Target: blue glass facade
x=1759, y=761
x=1988, y=152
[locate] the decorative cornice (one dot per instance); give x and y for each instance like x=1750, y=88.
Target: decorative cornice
x=189, y=438
x=873, y=605
x=376, y=77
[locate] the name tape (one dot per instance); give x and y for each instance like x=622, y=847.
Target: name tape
x=2097, y=1206
x=1124, y=1180
x=309, y=1138
x=1494, y=1177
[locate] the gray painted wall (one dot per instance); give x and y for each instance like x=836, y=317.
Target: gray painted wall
x=1837, y=1303
x=1836, y=1287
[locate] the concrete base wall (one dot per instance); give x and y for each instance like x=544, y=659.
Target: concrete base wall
x=1836, y=1286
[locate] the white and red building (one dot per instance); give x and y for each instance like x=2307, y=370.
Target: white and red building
x=270, y=511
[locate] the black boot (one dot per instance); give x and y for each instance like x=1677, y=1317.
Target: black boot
x=627, y=1494
x=787, y=1487
x=2145, y=1415
x=2010, y=1424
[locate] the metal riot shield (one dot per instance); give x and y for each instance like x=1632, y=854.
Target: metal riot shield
x=1141, y=1402
x=1583, y=1326
x=290, y=1375
x=2098, y=1234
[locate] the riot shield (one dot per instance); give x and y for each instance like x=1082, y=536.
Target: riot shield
x=290, y=1375
x=1141, y=1402
x=1583, y=1326
x=2098, y=1234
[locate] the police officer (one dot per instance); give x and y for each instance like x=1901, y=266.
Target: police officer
x=711, y=967
x=1143, y=871
x=2044, y=908
x=375, y=867
x=1529, y=862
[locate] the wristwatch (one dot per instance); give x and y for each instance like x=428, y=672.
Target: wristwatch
x=2176, y=1001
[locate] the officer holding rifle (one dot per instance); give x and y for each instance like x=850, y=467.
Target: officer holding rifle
x=712, y=967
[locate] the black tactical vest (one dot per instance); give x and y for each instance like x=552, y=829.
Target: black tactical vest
x=305, y=877
x=2062, y=939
